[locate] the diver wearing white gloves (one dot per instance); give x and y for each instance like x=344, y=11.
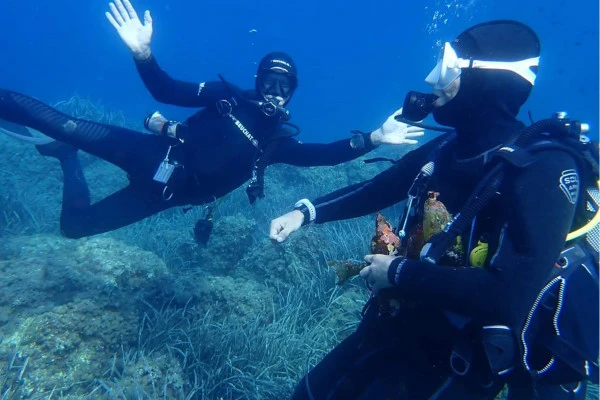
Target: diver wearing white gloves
x=233, y=137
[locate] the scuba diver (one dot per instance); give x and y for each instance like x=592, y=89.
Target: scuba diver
x=487, y=286
x=231, y=140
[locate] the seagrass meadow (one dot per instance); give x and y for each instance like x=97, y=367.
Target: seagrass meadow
x=145, y=312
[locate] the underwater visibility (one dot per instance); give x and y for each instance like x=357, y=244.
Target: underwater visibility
x=299, y=200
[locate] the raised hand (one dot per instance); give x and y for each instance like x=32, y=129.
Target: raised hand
x=135, y=35
x=396, y=132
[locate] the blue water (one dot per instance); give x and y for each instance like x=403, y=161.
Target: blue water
x=356, y=59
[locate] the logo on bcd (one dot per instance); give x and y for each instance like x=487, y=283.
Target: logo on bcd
x=569, y=184
x=246, y=132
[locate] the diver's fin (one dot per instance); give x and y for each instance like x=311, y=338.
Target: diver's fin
x=23, y=133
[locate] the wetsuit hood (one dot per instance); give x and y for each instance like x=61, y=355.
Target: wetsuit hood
x=279, y=63
x=484, y=111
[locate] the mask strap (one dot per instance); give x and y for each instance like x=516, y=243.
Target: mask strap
x=521, y=68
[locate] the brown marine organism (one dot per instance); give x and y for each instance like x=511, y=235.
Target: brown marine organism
x=385, y=241
x=435, y=219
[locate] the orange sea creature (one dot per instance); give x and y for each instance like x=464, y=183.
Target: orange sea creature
x=385, y=241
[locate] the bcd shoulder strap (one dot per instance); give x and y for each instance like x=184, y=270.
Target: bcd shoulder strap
x=256, y=186
x=518, y=154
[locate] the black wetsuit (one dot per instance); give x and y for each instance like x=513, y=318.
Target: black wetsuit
x=444, y=305
x=216, y=157
x=526, y=227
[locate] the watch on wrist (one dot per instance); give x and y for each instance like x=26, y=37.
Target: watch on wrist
x=304, y=210
x=357, y=141
x=307, y=209
x=170, y=129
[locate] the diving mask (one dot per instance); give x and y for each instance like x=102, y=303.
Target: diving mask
x=449, y=67
x=276, y=84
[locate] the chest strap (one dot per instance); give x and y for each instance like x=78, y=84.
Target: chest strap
x=225, y=108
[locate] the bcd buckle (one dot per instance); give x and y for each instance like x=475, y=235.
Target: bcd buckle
x=224, y=107
x=500, y=348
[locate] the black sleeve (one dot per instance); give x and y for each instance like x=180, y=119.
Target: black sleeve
x=384, y=190
x=540, y=215
x=291, y=151
x=171, y=91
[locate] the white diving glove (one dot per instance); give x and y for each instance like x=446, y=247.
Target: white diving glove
x=396, y=132
x=136, y=36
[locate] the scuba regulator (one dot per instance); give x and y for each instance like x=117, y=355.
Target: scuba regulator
x=269, y=107
x=417, y=106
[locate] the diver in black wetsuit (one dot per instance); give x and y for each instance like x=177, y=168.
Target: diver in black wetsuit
x=443, y=328
x=230, y=141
